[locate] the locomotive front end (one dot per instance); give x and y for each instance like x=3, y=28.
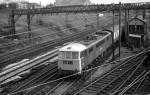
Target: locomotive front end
x=69, y=59
x=69, y=62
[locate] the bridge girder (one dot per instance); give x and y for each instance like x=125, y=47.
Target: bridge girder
x=83, y=8
x=75, y=9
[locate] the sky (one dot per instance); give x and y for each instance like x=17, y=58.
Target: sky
x=44, y=2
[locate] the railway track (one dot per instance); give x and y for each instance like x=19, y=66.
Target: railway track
x=88, y=71
x=11, y=44
x=45, y=74
x=6, y=75
x=82, y=84
x=58, y=85
x=114, y=78
x=15, y=70
x=128, y=76
x=29, y=51
x=47, y=86
x=43, y=80
x=134, y=85
x=52, y=88
x=61, y=86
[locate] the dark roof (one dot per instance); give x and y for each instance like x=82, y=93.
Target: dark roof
x=137, y=19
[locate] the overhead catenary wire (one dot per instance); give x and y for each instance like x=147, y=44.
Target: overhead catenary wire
x=29, y=31
x=144, y=51
x=26, y=32
x=12, y=43
x=112, y=6
x=52, y=27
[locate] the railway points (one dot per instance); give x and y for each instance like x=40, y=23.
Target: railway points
x=106, y=66
x=144, y=85
x=120, y=76
x=95, y=89
x=9, y=57
x=102, y=70
x=75, y=82
x=15, y=70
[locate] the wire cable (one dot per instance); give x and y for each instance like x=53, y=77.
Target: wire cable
x=53, y=26
x=144, y=51
x=30, y=31
x=12, y=43
x=33, y=31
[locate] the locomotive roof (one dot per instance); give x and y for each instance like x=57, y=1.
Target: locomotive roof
x=93, y=38
x=73, y=47
x=84, y=44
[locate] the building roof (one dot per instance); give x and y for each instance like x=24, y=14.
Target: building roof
x=137, y=19
x=73, y=47
x=135, y=35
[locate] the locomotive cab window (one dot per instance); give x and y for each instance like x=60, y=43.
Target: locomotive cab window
x=68, y=55
x=75, y=55
x=62, y=54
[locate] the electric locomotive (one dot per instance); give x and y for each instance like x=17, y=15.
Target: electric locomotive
x=76, y=56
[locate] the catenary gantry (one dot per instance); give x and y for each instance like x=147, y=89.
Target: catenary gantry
x=74, y=9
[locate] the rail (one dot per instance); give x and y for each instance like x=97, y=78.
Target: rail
x=108, y=77
x=26, y=66
x=137, y=80
x=42, y=46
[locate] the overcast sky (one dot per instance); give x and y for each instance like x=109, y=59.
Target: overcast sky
x=44, y=2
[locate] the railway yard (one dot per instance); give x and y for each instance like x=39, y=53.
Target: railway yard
x=108, y=53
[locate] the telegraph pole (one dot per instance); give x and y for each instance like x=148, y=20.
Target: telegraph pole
x=28, y=22
x=128, y=15
x=144, y=13
x=12, y=24
x=125, y=27
x=119, y=27
x=113, y=36
x=66, y=19
x=97, y=20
